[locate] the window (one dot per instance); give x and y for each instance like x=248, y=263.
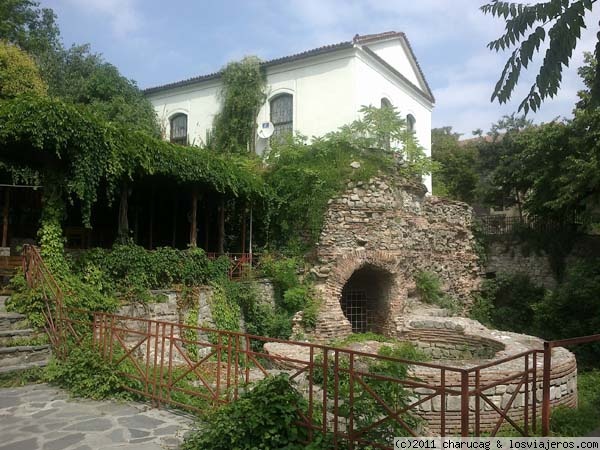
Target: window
x=386, y=143
x=179, y=129
x=282, y=114
x=385, y=103
x=410, y=123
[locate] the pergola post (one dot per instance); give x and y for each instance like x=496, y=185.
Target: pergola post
x=194, y=219
x=5, y=211
x=123, y=227
x=221, y=229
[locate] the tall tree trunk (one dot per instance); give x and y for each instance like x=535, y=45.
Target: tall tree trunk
x=174, y=236
x=194, y=221
x=123, y=228
x=5, y=216
x=151, y=225
x=221, y=231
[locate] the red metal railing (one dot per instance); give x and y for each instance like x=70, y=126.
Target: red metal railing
x=241, y=264
x=358, y=398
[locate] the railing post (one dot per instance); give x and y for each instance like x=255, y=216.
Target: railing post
x=546, y=389
x=464, y=403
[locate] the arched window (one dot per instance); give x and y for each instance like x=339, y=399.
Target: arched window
x=387, y=141
x=410, y=123
x=282, y=114
x=385, y=103
x=179, y=129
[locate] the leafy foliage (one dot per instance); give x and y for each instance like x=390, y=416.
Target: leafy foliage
x=509, y=302
x=304, y=177
x=457, y=177
x=85, y=150
x=25, y=24
x=262, y=418
x=394, y=394
x=526, y=28
x=429, y=288
x=573, y=309
x=86, y=374
x=18, y=73
x=243, y=94
x=117, y=269
x=586, y=417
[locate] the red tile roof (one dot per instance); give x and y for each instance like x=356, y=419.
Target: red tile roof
x=358, y=39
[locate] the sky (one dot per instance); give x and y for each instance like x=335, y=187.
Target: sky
x=155, y=42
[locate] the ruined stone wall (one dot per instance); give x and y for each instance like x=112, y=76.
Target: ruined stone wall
x=513, y=260
x=391, y=225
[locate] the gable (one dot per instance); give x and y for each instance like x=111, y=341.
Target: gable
x=394, y=50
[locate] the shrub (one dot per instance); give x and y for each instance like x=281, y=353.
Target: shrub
x=573, y=309
x=86, y=374
x=430, y=290
x=586, y=418
x=263, y=418
x=509, y=303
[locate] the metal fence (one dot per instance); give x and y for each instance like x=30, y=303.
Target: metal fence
x=502, y=225
x=356, y=398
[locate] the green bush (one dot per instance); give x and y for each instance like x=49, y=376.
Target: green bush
x=263, y=418
x=509, y=302
x=132, y=271
x=429, y=288
x=573, y=309
x=86, y=374
x=586, y=417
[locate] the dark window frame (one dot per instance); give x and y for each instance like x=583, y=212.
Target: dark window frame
x=181, y=139
x=285, y=124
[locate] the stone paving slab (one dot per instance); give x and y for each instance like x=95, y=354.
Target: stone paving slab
x=43, y=417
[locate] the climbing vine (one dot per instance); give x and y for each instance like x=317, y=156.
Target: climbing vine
x=243, y=94
x=48, y=135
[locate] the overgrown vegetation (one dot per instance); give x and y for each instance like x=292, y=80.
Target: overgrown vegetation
x=586, y=417
x=572, y=308
x=265, y=417
x=86, y=374
x=243, y=93
x=429, y=288
x=304, y=177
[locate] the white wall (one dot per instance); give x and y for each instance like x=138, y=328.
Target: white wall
x=394, y=53
x=375, y=82
x=328, y=91
x=323, y=90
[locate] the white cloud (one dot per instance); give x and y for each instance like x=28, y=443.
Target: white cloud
x=123, y=15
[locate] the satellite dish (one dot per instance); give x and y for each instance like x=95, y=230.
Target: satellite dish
x=265, y=130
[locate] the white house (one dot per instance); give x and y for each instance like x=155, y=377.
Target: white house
x=313, y=92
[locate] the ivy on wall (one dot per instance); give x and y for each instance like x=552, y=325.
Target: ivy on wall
x=243, y=94
x=52, y=136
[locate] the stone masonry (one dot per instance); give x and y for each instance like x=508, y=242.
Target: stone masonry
x=389, y=225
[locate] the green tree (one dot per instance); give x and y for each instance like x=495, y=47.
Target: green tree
x=496, y=164
x=80, y=76
x=76, y=74
x=18, y=73
x=243, y=94
x=527, y=27
x=25, y=24
x=457, y=177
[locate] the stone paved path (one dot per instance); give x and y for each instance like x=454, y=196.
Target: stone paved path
x=42, y=417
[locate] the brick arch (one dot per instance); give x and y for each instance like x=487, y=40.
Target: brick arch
x=348, y=264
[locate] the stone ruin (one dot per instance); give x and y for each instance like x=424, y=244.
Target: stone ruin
x=377, y=236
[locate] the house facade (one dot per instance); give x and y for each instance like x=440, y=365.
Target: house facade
x=311, y=93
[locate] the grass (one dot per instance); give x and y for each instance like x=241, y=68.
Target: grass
x=586, y=418
x=22, y=378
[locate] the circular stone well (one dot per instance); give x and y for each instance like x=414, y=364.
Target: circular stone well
x=461, y=343
x=465, y=343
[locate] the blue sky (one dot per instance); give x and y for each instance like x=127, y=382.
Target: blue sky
x=155, y=42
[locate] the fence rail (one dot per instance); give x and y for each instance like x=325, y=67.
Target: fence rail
x=357, y=398
x=501, y=224
x=241, y=264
